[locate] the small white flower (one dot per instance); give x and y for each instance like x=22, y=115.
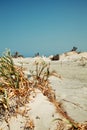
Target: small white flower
x=39, y=60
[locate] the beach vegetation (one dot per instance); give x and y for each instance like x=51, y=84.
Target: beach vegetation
x=74, y=48
x=41, y=71
x=55, y=57
x=16, y=55
x=13, y=84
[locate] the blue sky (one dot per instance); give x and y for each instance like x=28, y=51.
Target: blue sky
x=44, y=26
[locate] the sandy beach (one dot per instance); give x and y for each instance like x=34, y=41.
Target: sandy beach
x=70, y=90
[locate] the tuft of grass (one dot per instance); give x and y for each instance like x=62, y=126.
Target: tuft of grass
x=13, y=84
x=8, y=72
x=41, y=69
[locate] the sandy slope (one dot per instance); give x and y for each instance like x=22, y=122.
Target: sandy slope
x=71, y=90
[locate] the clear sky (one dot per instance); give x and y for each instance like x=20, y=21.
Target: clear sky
x=44, y=26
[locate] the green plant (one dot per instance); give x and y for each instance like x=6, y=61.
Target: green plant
x=41, y=69
x=8, y=71
x=12, y=81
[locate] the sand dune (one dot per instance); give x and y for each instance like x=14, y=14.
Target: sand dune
x=71, y=90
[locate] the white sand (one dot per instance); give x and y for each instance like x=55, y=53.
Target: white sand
x=71, y=90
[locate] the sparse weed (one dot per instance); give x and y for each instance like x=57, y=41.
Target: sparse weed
x=41, y=71
x=13, y=84
x=8, y=72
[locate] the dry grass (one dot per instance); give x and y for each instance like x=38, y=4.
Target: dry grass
x=29, y=125
x=14, y=88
